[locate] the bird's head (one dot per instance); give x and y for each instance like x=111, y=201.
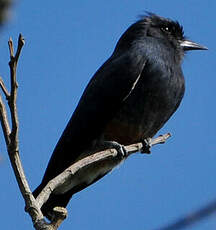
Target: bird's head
x=155, y=26
x=170, y=30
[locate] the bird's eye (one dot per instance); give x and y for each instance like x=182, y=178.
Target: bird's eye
x=165, y=29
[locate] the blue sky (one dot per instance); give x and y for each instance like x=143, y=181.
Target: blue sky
x=66, y=42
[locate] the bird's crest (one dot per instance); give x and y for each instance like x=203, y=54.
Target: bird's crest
x=165, y=24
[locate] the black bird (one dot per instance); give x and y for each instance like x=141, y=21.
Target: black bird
x=129, y=98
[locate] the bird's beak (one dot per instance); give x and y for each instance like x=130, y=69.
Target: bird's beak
x=190, y=45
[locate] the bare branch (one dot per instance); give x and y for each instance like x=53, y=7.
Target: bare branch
x=69, y=175
x=11, y=49
x=160, y=139
x=13, y=94
x=4, y=89
x=11, y=139
x=21, y=43
x=11, y=136
x=4, y=122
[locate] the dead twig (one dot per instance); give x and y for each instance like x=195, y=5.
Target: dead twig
x=11, y=134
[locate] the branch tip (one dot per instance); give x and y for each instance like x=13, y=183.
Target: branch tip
x=11, y=49
x=160, y=139
x=21, y=40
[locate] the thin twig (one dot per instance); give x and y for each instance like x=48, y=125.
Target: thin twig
x=13, y=94
x=4, y=89
x=21, y=43
x=11, y=49
x=4, y=122
x=12, y=136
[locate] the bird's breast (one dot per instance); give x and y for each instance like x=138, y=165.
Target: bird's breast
x=154, y=99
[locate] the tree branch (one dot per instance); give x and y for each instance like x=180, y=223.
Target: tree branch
x=11, y=136
x=13, y=93
x=4, y=89
x=4, y=122
x=69, y=175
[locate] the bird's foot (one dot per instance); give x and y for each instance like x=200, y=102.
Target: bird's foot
x=122, y=152
x=147, y=144
x=56, y=214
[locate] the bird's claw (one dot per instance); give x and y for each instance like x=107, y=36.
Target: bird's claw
x=146, y=145
x=56, y=213
x=122, y=152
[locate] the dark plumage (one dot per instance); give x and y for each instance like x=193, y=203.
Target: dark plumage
x=128, y=99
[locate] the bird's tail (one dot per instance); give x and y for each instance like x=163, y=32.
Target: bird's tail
x=55, y=200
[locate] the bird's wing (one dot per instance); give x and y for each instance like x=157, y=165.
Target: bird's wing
x=102, y=98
